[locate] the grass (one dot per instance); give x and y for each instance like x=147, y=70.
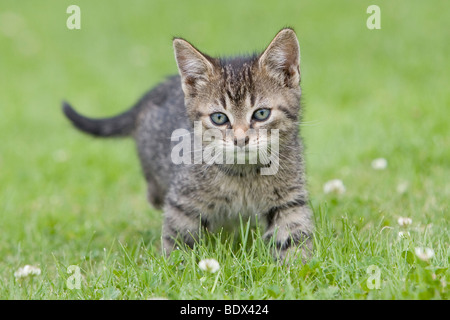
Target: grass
x=67, y=199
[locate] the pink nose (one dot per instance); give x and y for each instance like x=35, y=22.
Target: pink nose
x=240, y=138
x=241, y=142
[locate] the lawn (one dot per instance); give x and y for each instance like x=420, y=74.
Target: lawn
x=74, y=205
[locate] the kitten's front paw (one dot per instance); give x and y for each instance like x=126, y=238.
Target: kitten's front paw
x=293, y=254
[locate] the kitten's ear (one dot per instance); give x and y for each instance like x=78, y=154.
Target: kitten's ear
x=195, y=68
x=281, y=59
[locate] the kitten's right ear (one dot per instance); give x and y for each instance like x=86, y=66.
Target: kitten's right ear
x=195, y=68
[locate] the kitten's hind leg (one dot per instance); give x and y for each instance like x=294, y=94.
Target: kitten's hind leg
x=292, y=226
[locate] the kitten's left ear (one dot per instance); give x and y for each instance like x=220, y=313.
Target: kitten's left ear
x=281, y=59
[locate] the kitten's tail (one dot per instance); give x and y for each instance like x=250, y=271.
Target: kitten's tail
x=118, y=126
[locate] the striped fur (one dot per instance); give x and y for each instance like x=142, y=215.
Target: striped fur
x=198, y=197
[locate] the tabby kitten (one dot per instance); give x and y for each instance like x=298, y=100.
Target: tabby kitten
x=240, y=95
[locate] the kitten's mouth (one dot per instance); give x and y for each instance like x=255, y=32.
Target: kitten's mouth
x=245, y=154
x=244, y=149
x=228, y=153
x=249, y=154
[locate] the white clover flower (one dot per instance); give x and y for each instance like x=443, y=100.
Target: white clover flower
x=404, y=234
x=404, y=221
x=334, y=186
x=402, y=187
x=209, y=265
x=379, y=164
x=27, y=271
x=424, y=254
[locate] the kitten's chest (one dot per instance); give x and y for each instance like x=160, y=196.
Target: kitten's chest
x=239, y=199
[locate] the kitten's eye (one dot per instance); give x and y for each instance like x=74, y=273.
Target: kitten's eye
x=219, y=118
x=261, y=114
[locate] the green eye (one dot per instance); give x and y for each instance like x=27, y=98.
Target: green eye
x=261, y=114
x=219, y=118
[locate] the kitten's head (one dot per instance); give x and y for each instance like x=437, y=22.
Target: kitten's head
x=244, y=94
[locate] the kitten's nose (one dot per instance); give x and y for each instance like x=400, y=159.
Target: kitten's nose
x=241, y=142
x=241, y=139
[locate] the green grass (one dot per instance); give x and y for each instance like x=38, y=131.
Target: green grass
x=67, y=199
